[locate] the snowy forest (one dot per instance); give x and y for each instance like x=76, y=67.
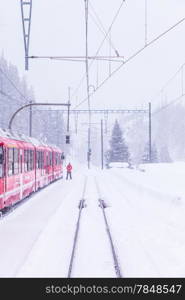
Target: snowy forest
x=14, y=93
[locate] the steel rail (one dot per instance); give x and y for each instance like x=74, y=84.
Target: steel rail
x=114, y=255
x=81, y=206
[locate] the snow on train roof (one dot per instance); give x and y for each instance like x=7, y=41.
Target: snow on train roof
x=7, y=133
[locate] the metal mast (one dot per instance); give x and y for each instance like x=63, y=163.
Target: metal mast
x=146, y=23
x=87, y=79
x=150, y=132
x=26, y=11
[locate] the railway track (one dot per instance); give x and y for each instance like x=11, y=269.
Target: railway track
x=102, y=205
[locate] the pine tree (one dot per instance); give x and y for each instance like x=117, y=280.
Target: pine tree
x=164, y=155
x=118, y=148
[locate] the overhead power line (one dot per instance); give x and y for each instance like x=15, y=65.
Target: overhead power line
x=132, y=57
x=169, y=104
x=100, y=46
x=168, y=82
x=101, y=27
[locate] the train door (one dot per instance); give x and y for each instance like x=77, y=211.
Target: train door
x=2, y=172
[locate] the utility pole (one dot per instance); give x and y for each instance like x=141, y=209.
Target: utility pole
x=68, y=115
x=26, y=13
x=146, y=22
x=150, y=132
x=182, y=80
x=87, y=79
x=68, y=108
x=102, y=150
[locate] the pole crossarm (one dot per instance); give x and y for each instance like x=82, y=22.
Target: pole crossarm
x=104, y=111
x=34, y=104
x=114, y=58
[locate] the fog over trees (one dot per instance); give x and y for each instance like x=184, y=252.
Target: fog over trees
x=15, y=92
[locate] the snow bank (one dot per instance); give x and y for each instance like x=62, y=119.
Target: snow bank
x=162, y=181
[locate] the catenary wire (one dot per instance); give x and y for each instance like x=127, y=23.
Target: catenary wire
x=100, y=46
x=132, y=57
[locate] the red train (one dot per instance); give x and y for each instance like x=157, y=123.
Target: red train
x=26, y=165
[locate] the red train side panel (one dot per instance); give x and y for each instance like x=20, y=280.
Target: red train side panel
x=26, y=166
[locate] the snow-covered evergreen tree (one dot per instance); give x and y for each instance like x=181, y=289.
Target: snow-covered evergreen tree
x=118, y=148
x=164, y=155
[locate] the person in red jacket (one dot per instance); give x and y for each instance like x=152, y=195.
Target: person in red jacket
x=69, y=169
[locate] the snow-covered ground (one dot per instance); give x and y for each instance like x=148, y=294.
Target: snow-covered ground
x=145, y=211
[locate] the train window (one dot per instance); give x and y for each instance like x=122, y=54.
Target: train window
x=50, y=158
x=31, y=161
x=1, y=155
x=32, y=156
x=26, y=160
x=16, y=161
x=28, y=163
x=47, y=160
x=37, y=159
x=10, y=162
x=42, y=160
x=56, y=159
x=1, y=161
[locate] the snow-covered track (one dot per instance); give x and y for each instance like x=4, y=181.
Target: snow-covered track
x=114, y=255
x=81, y=206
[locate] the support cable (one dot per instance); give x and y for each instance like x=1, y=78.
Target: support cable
x=101, y=27
x=100, y=46
x=133, y=56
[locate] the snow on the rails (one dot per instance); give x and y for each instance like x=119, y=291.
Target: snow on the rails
x=51, y=255
x=145, y=211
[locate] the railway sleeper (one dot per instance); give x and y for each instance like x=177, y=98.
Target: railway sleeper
x=102, y=204
x=82, y=204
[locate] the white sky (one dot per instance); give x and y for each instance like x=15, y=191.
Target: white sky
x=58, y=28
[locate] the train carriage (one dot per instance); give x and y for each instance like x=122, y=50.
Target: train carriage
x=26, y=165
x=57, y=157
